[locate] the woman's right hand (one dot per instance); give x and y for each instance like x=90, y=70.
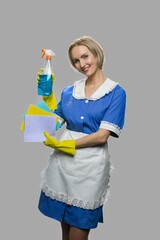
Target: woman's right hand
x=49, y=100
x=39, y=73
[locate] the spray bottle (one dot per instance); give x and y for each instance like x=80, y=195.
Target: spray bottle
x=45, y=81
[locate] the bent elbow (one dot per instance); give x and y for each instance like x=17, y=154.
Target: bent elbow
x=104, y=137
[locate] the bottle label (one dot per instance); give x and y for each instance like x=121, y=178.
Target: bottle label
x=45, y=85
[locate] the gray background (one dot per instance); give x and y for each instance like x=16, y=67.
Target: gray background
x=128, y=31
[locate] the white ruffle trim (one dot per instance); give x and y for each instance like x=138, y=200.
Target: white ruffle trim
x=105, y=88
x=75, y=201
x=110, y=126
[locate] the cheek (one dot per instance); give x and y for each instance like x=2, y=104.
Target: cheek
x=77, y=67
x=96, y=63
x=93, y=60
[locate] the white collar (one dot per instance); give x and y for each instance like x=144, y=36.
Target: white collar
x=105, y=88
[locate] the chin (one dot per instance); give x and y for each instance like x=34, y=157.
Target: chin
x=89, y=74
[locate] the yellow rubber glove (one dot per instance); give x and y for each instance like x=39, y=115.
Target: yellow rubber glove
x=49, y=100
x=66, y=146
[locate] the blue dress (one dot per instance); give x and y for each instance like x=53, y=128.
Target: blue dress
x=75, y=189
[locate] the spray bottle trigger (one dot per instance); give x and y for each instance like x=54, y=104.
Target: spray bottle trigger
x=43, y=53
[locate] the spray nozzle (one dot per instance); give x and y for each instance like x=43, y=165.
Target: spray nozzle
x=48, y=52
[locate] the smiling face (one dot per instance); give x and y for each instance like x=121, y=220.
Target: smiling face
x=83, y=60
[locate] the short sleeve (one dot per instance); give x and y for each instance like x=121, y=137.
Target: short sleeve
x=114, y=117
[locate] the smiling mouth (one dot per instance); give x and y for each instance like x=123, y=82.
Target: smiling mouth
x=85, y=69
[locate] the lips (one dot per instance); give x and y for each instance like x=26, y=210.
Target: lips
x=85, y=69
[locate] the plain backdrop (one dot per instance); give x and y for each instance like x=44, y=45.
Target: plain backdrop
x=128, y=32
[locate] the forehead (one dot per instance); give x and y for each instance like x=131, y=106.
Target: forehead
x=78, y=51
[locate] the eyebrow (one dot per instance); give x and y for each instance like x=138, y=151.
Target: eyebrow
x=80, y=56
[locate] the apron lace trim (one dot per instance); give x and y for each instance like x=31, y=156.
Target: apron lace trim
x=75, y=201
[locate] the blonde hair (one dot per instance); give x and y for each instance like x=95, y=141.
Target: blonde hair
x=93, y=47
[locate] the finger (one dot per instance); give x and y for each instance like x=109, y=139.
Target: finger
x=53, y=77
x=41, y=70
x=38, y=78
x=46, y=134
x=46, y=143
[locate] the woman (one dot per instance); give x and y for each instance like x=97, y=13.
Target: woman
x=75, y=182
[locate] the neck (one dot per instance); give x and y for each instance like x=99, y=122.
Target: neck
x=97, y=79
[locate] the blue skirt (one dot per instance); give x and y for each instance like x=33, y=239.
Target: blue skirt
x=74, y=216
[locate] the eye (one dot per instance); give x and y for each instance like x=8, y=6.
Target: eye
x=75, y=61
x=85, y=56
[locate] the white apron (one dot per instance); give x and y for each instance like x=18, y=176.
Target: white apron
x=81, y=180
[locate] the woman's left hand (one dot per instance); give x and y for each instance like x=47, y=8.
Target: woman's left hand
x=66, y=146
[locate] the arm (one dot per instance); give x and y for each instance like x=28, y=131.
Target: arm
x=97, y=138
x=69, y=146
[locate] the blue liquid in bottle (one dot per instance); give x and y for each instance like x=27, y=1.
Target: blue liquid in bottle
x=45, y=85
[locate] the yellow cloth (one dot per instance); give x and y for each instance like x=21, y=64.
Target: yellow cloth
x=33, y=110
x=67, y=146
x=51, y=101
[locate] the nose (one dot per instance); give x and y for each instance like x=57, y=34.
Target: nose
x=82, y=63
